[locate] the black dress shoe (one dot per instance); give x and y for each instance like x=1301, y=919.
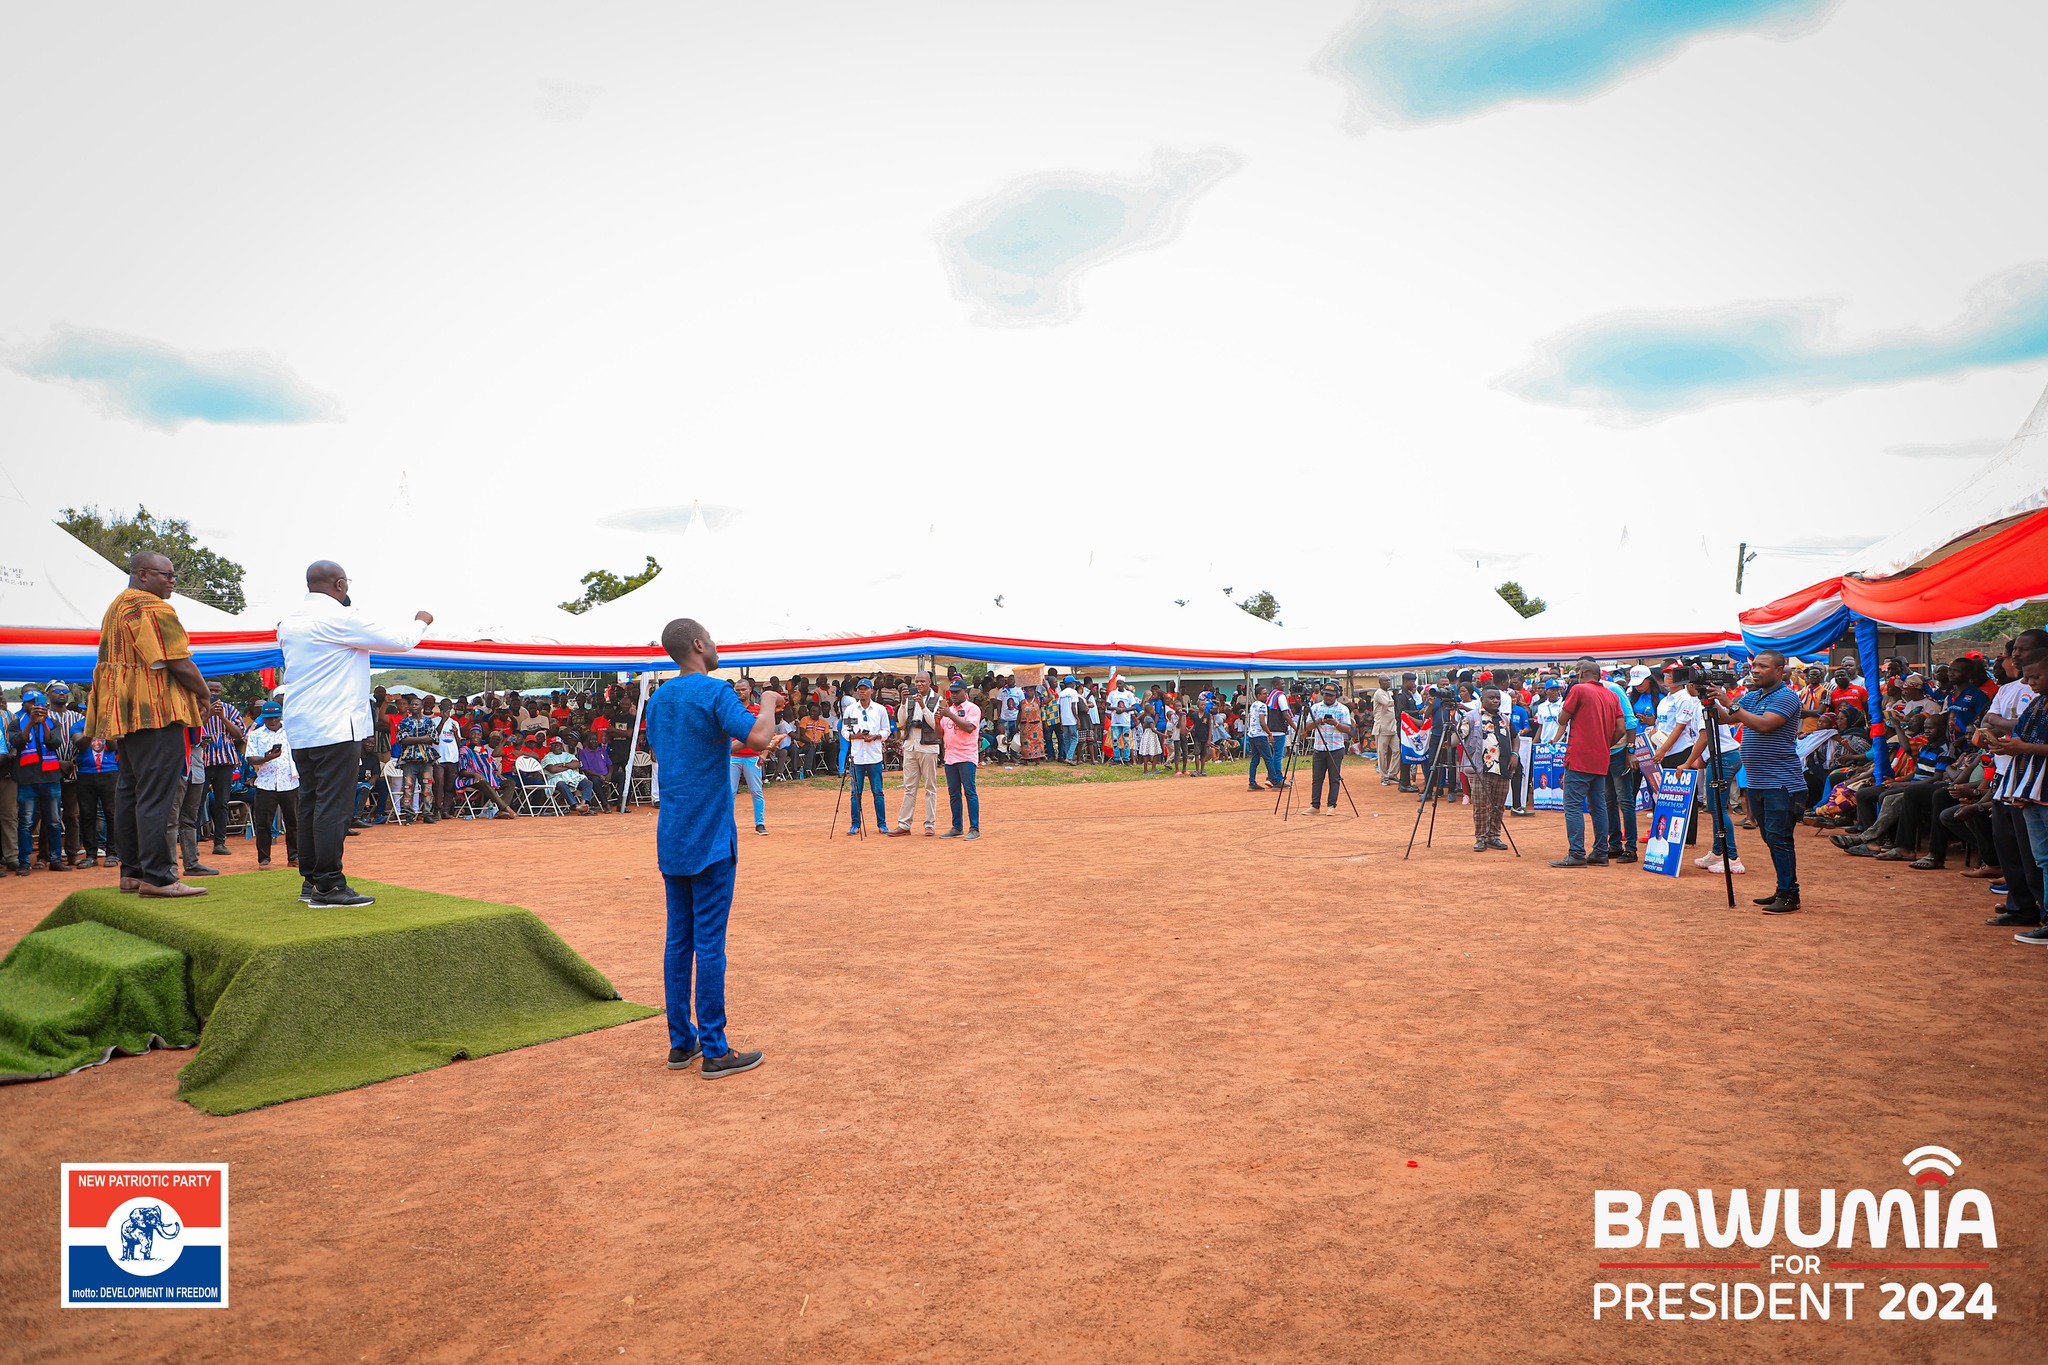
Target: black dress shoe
x=1781, y=905
x=2007, y=920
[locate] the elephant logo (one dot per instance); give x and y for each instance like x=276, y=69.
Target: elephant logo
x=139, y=1231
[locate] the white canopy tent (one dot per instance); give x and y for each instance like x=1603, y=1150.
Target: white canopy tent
x=49, y=579
x=2014, y=482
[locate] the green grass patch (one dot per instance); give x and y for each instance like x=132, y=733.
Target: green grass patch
x=298, y=1001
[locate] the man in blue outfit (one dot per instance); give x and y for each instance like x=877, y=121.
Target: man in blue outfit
x=692, y=723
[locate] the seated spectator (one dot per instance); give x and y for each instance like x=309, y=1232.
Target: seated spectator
x=561, y=768
x=596, y=761
x=482, y=770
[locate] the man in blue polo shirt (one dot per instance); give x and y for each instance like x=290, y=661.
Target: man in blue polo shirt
x=1769, y=716
x=691, y=723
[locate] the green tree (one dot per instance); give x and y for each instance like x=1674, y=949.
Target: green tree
x=602, y=585
x=1511, y=593
x=2003, y=624
x=1261, y=604
x=453, y=683
x=203, y=575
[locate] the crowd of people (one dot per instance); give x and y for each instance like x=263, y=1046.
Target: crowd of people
x=1965, y=756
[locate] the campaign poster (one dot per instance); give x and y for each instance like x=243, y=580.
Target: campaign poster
x=1547, y=768
x=1664, y=850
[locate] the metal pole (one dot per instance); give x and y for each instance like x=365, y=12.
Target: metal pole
x=633, y=750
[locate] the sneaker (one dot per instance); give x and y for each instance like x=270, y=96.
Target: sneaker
x=1330, y=812
x=221, y=850
x=1497, y=845
x=306, y=892
x=1996, y=888
x=1628, y=856
x=1570, y=860
x=201, y=870
x=2031, y=936
x=972, y=834
x=1479, y=845
x=760, y=829
x=680, y=1057
x=950, y=834
x=348, y=898
x=1708, y=862
x=1598, y=860
x=731, y=1064
x=852, y=831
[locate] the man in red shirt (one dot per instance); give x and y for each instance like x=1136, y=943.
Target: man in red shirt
x=1593, y=726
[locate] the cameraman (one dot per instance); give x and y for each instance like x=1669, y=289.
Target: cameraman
x=1769, y=716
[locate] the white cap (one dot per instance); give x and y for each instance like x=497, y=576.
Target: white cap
x=1638, y=673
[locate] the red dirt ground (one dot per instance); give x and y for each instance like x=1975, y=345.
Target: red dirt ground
x=1136, y=1077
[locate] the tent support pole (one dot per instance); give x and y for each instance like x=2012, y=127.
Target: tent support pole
x=633, y=747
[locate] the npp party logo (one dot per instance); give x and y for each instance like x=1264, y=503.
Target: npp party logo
x=145, y=1236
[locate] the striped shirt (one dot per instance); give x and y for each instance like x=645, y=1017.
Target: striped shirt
x=219, y=747
x=2025, y=777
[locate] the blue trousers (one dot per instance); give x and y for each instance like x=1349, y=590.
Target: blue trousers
x=749, y=771
x=870, y=773
x=1070, y=740
x=48, y=798
x=960, y=779
x=1585, y=794
x=1724, y=846
x=1257, y=748
x=697, y=910
x=1777, y=815
x=1276, y=754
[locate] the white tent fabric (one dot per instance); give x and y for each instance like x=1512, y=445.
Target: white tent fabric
x=2014, y=482
x=49, y=579
x=1396, y=597
x=1665, y=589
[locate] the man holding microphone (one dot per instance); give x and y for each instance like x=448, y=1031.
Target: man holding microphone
x=692, y=724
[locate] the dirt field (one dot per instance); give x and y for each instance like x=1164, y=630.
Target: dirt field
x=1141, y=1075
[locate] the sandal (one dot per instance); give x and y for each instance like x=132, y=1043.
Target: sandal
x=1926, y=865
x=1895, y=855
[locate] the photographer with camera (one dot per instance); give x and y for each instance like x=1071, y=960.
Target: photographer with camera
x=1769, y=716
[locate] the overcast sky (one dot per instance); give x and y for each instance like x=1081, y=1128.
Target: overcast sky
x=477, y=297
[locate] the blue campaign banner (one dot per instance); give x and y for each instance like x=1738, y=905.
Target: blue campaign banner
x=1664, y=850
x=1547, y=770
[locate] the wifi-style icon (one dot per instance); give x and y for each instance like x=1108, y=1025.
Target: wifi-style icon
x=1932, y=1165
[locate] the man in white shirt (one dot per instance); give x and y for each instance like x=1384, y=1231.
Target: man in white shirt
x=1549, y=715
x=1331, y=720
x=326, y=646
x=447, y=757
x=1010, y=702
x=1123, y=709
x=1256, y=741
x=276, y=787
x=1070, y=722
x=867, y=725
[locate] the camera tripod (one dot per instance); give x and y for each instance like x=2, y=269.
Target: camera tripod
x=1294, y=761
x=1723, y=826
x=1434, y=793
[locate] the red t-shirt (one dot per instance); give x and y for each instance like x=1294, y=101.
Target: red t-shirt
x=1851, y=693
x=1593, y=713
x=748, y=753
x=600, y=722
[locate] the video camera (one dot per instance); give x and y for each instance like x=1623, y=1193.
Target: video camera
x=1712, y=675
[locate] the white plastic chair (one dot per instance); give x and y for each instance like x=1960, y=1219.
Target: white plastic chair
x=640, y=787
x=537, y=793
x=394, y=787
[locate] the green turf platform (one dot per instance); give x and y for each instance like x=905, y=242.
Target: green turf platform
x=299, y=1002
x=72, y=997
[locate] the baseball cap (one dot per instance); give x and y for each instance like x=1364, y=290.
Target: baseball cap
x=271, y=708
x=959, y=684
x=34, y=698
x=1640, y=673
x=865, y=682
